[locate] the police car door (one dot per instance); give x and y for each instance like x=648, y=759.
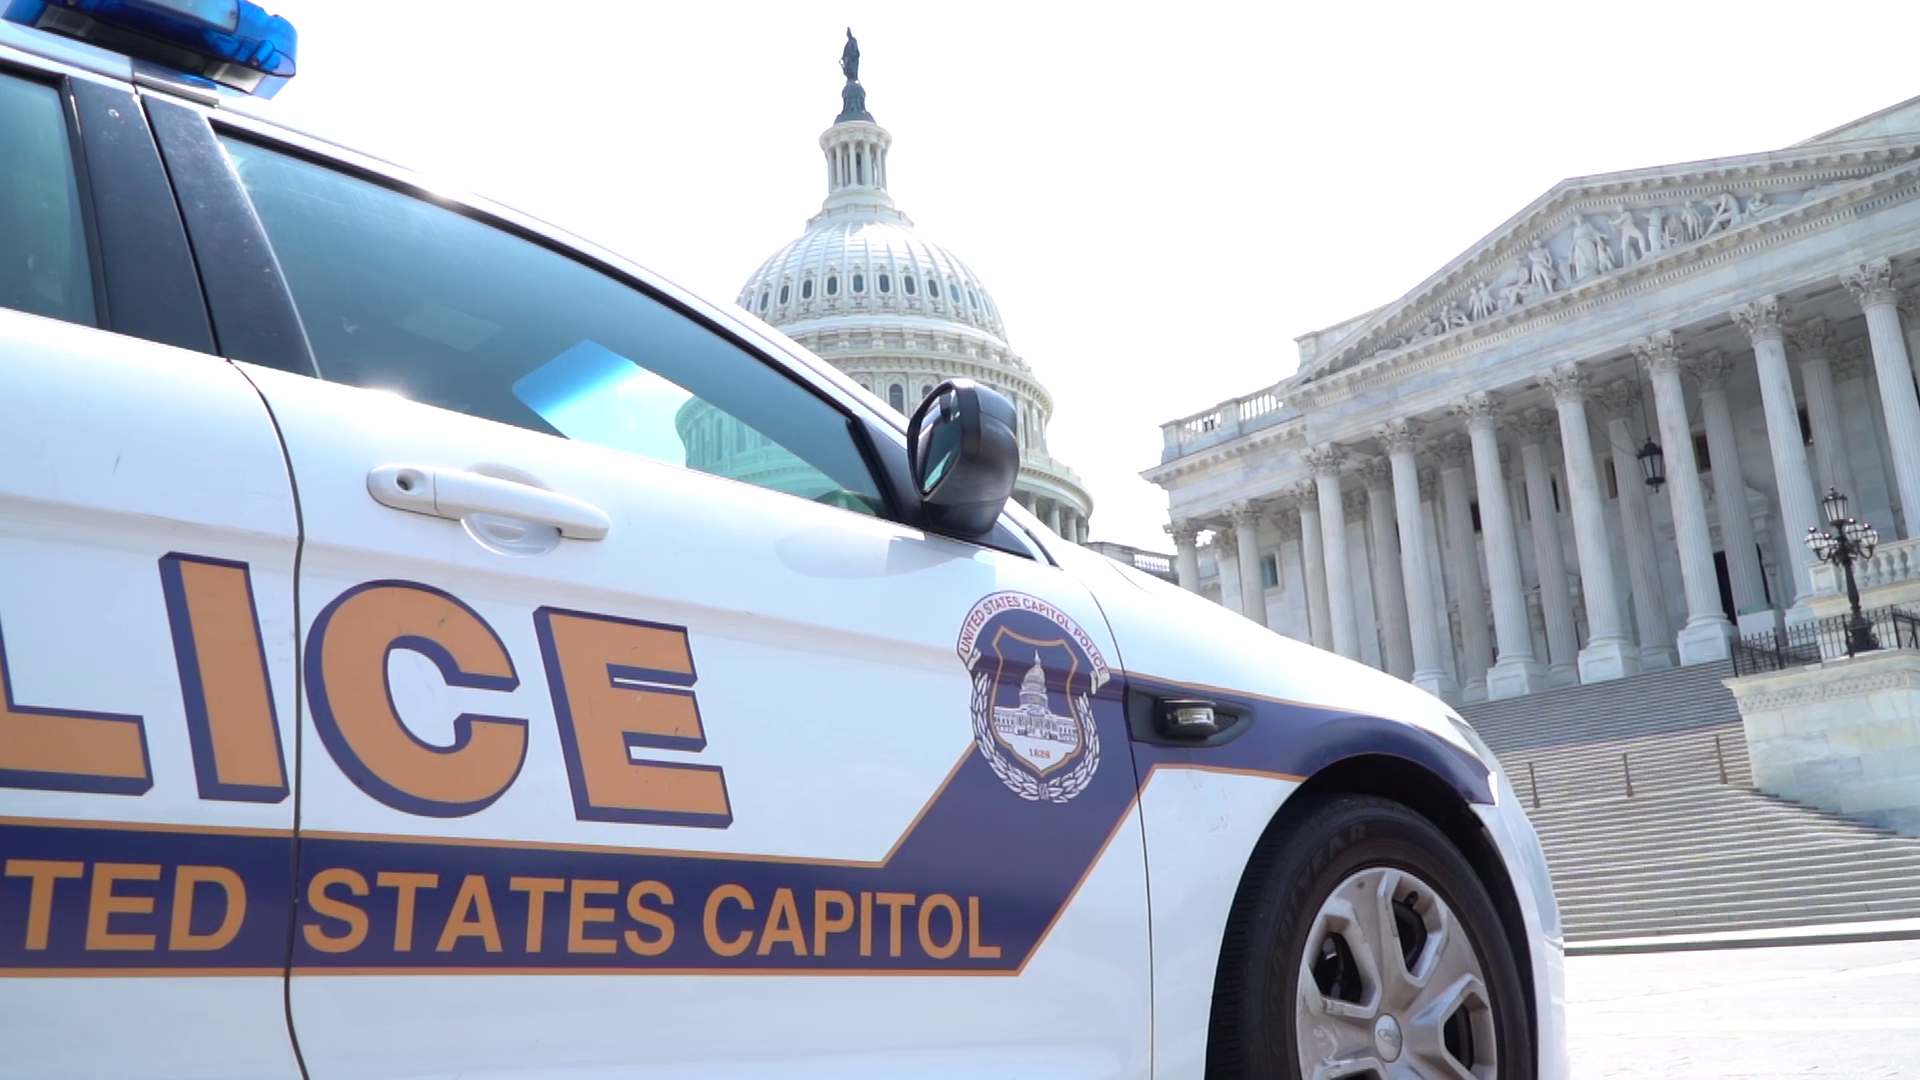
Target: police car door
x=147, y=538
x=662, y=743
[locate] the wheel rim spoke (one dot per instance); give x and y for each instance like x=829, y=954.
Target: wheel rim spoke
x=1390, y=986
x=1350, y=1067
x=1462, y=1003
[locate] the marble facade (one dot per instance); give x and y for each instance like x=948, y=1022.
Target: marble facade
x=1448, y=488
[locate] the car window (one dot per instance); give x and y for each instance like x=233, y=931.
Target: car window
x=43, y=250
x=400, y=294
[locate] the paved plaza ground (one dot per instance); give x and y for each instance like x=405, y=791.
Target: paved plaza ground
x=1806, y=1010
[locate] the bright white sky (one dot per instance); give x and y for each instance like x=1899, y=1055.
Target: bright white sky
x=1160, y=197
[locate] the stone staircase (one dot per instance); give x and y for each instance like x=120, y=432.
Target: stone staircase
x=1643, y=797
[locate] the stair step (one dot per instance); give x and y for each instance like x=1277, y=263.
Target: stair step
x=1694, y=848
x=1712, y=894
x=1586, y=928
x=1628, y=850
x=1586, y=882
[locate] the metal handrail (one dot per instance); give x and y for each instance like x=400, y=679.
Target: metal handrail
x=1831, y=638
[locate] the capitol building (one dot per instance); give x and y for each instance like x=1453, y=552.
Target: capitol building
x=893, y=310
x=1455, y=487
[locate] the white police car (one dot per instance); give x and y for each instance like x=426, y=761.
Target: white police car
x=387, y=691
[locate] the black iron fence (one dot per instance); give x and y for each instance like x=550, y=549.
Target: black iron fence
x=1826, y=639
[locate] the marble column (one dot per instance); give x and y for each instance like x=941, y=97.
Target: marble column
x=1620, y=402
x=1534, y=427
x=1711, y=373
x=1909, y=307
x=1798, y=505
x=1054, y=521
x=1326, y=461
x=1186, y=554
x=1253, y=584
x=1314, y=563
x=1400, y=437
x=1516, y=672
x=1707, y=634
x=1832, y=468
x=1226, y=562
x=1853, y=376
x=1872, y=287
x=1456, y=453
x=1607, y=654
x=1286, y=527
x=1389, y=583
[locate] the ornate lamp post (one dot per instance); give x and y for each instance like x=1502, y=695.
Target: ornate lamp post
x=1850, y=542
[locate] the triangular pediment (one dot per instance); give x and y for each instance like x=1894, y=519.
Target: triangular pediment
x=1589, y=232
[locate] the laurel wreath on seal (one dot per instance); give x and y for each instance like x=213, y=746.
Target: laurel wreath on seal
x=1054, y=789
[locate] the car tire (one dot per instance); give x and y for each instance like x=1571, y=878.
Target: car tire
x=1362, y=944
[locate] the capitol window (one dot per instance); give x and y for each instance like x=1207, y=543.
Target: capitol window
x=933, y=288
x=897, y=397
x=784, y=293
x=859, y=283
x=972, y=301
x=833, y=285
x=953, y=291
x=763, y=300
x=886, y=283
x=806, y=289
x=907, y=283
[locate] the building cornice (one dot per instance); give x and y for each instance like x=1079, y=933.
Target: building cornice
x=1859, y=169
x=1834, y=206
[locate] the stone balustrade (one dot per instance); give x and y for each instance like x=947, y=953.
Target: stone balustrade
x=1892, y=576
x=1228, y=420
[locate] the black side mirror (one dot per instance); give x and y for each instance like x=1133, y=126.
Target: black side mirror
x=965, y=457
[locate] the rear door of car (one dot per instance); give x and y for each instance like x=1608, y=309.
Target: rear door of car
x=639, y=732
x=147, y=547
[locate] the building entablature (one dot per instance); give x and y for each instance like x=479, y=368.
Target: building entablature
x=1048, y=477
x=942, y=366
x=866, y=331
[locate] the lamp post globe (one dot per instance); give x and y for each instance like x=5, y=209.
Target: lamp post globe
x=1835, y=506
x=1653, y=464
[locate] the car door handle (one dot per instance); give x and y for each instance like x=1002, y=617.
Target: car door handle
x=456, y=493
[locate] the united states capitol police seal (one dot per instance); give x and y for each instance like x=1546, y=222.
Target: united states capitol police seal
x=1034, y=676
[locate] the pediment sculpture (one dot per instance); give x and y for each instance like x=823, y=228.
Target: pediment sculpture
x=1591, y=246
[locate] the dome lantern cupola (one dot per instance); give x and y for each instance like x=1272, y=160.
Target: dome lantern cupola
x=856, y=150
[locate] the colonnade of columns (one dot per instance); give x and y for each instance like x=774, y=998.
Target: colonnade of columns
x=1063, y=518
x=1473, y=462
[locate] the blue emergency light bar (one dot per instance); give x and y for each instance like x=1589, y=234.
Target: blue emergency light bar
x=232, y=43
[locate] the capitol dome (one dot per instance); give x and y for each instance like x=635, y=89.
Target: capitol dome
x=900, y=313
